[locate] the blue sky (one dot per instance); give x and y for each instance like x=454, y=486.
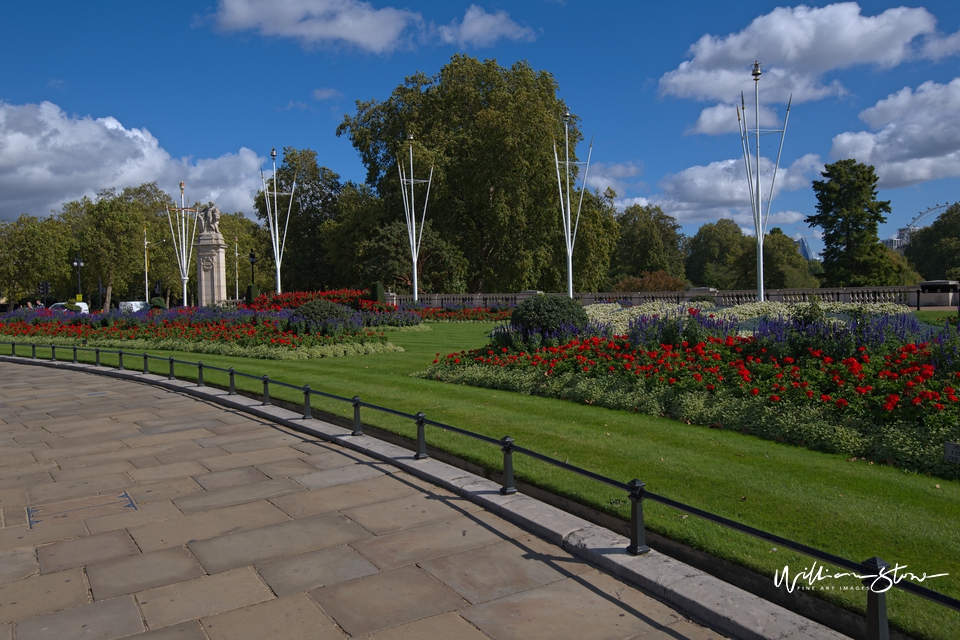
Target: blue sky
x=114, y=93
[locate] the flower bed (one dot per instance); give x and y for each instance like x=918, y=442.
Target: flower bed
x=876, y=387
x=241, y=332
x=378, y=314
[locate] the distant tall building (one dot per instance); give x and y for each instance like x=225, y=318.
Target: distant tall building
x=804, y=249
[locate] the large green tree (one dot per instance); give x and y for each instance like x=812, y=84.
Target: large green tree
x=650, y=241
x=935, y=250
x=488, y=133
x=305, y=263
x=33, y=250
x=711, y=250
x=848, y=212
x=783, y=266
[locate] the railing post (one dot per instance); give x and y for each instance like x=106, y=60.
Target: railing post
x=357, y=426
x=507, y=448
x=918, y=299
x=199, y=373
x=877, y=628
x=638, y=535
x=53, y=353
x=266, y=389
x=13, y=348
x=120, y=359
x=233, y=386
x=96, y=360
x=146, y=363
x=33, y=350
x=421, y=437
x=74, y=354
x=170, y=376
x=306, y=402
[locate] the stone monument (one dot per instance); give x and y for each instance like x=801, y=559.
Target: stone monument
x=211, y=266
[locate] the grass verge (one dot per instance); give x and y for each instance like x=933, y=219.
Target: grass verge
x=852, y=509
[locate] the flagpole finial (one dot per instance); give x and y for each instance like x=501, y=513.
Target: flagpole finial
x=756, y=71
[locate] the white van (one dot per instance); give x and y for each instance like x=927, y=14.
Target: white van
x=63, y=306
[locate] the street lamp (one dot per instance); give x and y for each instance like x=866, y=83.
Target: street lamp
x=77, y=263
x=409, y=210
x=570, y=224
x=253, y=261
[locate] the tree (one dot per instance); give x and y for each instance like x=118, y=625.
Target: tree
x=385, y=257
x=848, y=212
x=488, y=132
x=650, y=241
x=784, y=267
x=711, y=251
x=359, y=215
x=305, y=265
x=935, y=250
x=33, y=250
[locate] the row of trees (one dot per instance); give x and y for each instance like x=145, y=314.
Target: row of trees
x=493, y=220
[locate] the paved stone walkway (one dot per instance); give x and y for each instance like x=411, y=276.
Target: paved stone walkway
x=131, y=510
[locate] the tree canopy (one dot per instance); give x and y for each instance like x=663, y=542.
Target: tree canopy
x=488, y=133
x=935, y=250
x=650, y=241
x=848, y=212
x=711, y=252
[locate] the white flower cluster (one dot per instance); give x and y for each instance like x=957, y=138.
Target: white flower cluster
x=619, y=317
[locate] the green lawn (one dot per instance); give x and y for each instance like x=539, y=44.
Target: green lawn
x=852, y=509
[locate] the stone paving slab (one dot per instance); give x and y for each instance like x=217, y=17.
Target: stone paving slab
x=247, y=529
x=105, y=620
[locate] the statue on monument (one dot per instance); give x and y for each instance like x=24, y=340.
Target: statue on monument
x=208, y=218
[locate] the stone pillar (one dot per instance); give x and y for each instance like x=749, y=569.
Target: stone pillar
x=211, y=264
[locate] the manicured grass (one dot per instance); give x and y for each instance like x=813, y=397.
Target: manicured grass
x=935, y=317
x=851, y=509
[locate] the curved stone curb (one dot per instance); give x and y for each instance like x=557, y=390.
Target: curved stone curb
x=721, y=606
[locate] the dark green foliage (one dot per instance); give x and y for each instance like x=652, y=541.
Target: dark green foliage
x=70, y=306
x=548, y=314
x=711, y=252
x=252, y=292
x=325, y=317
x=158, y=303
x=848, y=212
x=650, y=241
x=783, y=266
x=377, y=293
x=935, y=250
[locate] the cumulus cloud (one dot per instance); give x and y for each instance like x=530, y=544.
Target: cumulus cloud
x=719, y=190
x=617, y=176
x=482, y=29
x=797, y=47
x=317, y=23
x=722, y=118
x=48, y=157
x=914, y=137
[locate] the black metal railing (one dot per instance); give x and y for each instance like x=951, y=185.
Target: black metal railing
x=877, y=625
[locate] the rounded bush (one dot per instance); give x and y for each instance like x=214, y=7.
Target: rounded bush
x=548, y=314
x=327, y=317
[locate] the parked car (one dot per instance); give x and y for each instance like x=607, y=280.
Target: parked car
x=84, y=308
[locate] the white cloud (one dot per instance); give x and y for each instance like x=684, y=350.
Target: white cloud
x=325, y=93
x=722, y=118
x=482, y=29
x=719, y=190
x=916, y=135
x=48, y=158
x=318, y=23
x=617, y=176
x=796, y=46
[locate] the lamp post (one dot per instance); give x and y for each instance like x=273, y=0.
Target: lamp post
x=278, y=237
x=253, y=260
x=146, y=268
x=236, y=266
x=760, y=218
x=77, y=263
x=570, y=224
x=183, y=233
x=409, y=210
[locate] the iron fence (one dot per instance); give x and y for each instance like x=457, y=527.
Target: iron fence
x=868, y=570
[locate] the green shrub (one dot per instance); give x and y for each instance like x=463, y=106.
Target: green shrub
x=702, y=298
x=252, y=293
x=158, y=303
x=70, y=306
x=377, y=293
x=327, y=318
x=548, y=314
